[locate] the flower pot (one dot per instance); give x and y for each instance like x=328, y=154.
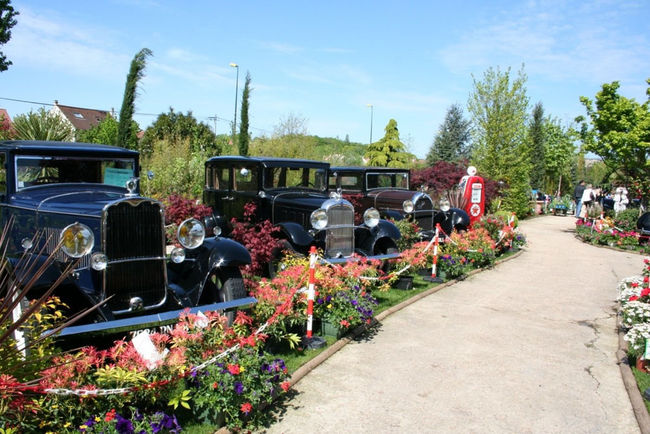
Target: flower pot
x=330, y=329
x=404, y=282
x=641, y=364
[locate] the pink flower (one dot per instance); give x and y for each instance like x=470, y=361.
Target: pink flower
x=234, y=369
x=246, y=407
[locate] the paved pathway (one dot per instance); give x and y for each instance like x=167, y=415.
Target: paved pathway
x=526, y=347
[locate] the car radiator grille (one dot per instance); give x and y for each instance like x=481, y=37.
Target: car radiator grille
x=340, y=238
x=134, y=244
x=423, y=213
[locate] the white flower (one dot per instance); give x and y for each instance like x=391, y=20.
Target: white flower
x=626, y=290
x=635, y=312
x=637, y=335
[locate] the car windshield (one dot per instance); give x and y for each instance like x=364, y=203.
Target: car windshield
x=38, y=170
x=387, y=180
x=347, y=181
x=308, y=178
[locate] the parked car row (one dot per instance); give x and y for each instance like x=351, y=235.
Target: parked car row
x=79, y=204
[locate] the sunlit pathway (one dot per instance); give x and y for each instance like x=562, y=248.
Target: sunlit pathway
x=526, y=347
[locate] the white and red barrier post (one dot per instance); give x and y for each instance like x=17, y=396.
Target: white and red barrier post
x=436, y=239
x=511, y=220
x=310, y=341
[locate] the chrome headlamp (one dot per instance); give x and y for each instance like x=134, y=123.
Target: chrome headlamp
x=98, y=261
x=77, y=240
x=371, y=217
x=319, y=219
x=191, y=233
x=408, y=206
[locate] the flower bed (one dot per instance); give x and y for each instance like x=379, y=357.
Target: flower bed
x=612, y=233
x=204, y=371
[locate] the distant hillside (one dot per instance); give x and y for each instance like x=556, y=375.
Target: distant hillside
x=335, y=151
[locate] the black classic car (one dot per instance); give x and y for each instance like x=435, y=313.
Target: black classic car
x=387, y=190
x=293, y=195
x=79, y=203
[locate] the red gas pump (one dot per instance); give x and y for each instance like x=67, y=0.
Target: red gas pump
x=473, y=189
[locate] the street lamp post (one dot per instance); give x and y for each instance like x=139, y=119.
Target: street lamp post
x=371, y=113
x=234, y=125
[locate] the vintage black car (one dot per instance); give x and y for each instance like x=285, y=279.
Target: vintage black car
x=387, y=190
x=83, y=201
x=293, y=195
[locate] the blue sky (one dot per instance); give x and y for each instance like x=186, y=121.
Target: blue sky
x=322, y=61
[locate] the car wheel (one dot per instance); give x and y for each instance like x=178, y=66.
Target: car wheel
x=224, y=285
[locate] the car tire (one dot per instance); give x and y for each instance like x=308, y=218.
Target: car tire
x=224, y=285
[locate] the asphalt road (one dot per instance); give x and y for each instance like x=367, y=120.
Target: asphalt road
x=527, y=347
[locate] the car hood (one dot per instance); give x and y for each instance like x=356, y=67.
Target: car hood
x=300, y=200
x=80, y=200
x=391, y=198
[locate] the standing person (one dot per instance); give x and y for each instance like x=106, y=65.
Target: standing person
x=620, y=199
x=587, y=200
x=577, y=196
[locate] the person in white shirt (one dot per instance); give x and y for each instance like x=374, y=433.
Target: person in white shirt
x=588, y=198
x=620, y=199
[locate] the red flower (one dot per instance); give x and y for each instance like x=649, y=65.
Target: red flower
x=634, y=285
x=285, y=386
x=646, y=291
x=110, y=415
x=215, y=385
x=233, y=369
x=633, y=298
x=344, y=323
x=246, y=407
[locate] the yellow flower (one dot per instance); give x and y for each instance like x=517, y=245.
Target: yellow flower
x=67, y=424
x=83, y=426
x=241, y=369
x=98, y=419
x=329, y=306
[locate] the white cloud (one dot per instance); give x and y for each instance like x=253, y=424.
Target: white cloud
x=558, y=41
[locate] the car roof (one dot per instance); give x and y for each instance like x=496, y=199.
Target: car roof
x=367, y=169
x=268, y=161
x=63, y=148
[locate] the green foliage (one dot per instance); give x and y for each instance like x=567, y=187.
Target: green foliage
x=244, y=135
x=451, y=142
x=618, y=130
x=389, y=151
x=335, y=151
x=176, y=128
x=6, y=131
x=409, y=233
x=177, y=170
x=626, y=220
x=517, y=197
x=7, y=21
x=558, y=155
x=42, y=125
x=125, y=133
x=498, y=106
x=537, y=146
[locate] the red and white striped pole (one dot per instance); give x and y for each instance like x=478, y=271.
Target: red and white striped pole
x=436, y=238
x=311, y=292
x=511, y=220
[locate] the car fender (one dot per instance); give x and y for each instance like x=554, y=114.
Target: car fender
x=392, y=214
x=224, y=252
x=385, y=233
x=296, y=234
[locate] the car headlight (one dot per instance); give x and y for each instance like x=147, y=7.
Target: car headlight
x=177, y=255
x=191, y=233
x=445, y=205
x=77, y=240
x=371, y=217
x=98, y=261
x=408, y=207
x=319, y=219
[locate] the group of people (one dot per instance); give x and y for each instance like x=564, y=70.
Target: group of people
x=586, y=196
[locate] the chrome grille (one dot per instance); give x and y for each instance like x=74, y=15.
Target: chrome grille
x=133, y=240
x=423, y=213
x=51, y=240
x=339, y=240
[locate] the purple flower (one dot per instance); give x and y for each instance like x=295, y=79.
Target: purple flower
x=123, y=426
x=239, y=388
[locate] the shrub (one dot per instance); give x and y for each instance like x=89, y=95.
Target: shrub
x=626, y=220
x=178, y=209
x=409, y=233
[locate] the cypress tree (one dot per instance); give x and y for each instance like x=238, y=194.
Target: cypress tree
x=125, y=131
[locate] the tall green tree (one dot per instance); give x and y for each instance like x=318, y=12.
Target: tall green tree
x=559, y=157
x=452, y=141
x=7, y=21
x=105, y=132
x=389, y=151
x=537, y=140
x=136, y=72
x=244, y=135
x=42, y=125
x=618, y=130
x=176, y=128
x=499, y=107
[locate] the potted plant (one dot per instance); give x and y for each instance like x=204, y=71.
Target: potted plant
x=560, y=205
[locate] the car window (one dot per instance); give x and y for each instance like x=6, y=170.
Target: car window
x=217, y=178
x=3, y=173
x=245, y=178
x=348, y=181
x=36, y=170
x=387, y=180
x=295, y=177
